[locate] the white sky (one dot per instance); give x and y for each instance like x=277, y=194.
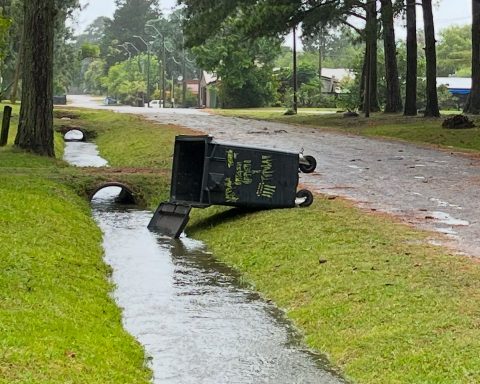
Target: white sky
x=449, y=12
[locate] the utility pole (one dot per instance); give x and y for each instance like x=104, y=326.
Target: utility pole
x=148, y=68
x=184, y=73
x=295, y=103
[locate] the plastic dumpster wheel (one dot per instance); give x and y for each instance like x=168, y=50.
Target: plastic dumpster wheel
x=310, y=167
x=307, y=195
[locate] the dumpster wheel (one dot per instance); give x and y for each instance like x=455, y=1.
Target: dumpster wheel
x=307, y=197
x=310, y=166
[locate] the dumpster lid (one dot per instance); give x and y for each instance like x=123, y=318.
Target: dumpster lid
x=170, y=219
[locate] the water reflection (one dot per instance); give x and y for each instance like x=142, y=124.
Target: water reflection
x=83, y=154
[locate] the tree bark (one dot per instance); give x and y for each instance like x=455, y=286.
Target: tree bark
x=473, y=101
x=412, y=59
x=16, y=77
x=393, y=99
x=320, y=59
x=371, y=53
x=35, y=128
x=431, y=109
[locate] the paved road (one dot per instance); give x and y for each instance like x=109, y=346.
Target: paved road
x=431, y=189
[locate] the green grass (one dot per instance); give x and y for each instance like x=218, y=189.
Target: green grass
x=372, y=294
x=58, y=323
x=415, y=129
x=384, y=306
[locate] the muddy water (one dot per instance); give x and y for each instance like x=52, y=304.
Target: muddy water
x=196, y=320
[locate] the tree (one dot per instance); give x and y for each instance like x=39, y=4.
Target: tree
x=473, y=102
x=454, y=51
x=431, y=109
x=129, y=20
x=411, y=77
x=393, y=98
x=35, y=129
x=243, y=65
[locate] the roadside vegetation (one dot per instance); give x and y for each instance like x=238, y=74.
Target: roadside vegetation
x=393, y=126
x=371, y=293
x=58, y=321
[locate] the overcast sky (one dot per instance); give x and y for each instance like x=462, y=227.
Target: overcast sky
x=448, y=13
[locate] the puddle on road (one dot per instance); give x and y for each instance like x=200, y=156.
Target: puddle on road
x=197, y=322
x=447, y=219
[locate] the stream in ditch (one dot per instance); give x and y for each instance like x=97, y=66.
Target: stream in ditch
x=196, y=321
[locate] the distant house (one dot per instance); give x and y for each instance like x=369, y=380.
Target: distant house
x=332, y=77
x=457, y=86
x=208, y=90
x=193, y=86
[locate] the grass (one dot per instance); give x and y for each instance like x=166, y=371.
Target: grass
x=372, y=294
x=393, y=126
x=58, y=323
x=385, y=306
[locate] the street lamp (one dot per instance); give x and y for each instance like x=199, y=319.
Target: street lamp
x=295, y=104
x=148, y=68
x=163, y=60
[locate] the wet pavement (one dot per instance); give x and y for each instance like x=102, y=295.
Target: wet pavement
x=196, y=320
x=430, y=189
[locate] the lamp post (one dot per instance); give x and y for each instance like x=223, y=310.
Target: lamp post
x=295, y=104
x=148, y=68
x=163, y=60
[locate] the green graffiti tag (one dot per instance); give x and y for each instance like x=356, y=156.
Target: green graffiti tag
x=230, y=195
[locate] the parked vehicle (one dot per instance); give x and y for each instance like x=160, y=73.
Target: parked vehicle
x=156, y=104
x=110, y=101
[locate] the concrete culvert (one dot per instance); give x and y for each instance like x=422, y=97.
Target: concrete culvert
x=119, y=192
x=74, y=135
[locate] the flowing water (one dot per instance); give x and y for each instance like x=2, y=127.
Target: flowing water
x=196, y=320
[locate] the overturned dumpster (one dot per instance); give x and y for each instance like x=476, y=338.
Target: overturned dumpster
x=209, y=173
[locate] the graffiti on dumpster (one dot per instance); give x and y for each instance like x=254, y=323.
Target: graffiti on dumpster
x=257, y=173
x=230, y=195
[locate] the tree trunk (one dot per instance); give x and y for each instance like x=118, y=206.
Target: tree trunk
x=431, y=109
x=412, y=58
x=35, y=128
x=473, y=101
x=371, y=53
x=320, y=59
x=16, y=77
x=394, y=100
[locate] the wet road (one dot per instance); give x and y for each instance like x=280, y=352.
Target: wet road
x=431, y=189
x=196, y=320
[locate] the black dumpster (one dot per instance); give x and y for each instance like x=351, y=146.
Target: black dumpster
x=208, y=173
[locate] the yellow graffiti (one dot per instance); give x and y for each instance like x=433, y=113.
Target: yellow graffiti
x=230, y=195
x=243, y=173
x=266, y=190
x=267, y=168
x=231, y=156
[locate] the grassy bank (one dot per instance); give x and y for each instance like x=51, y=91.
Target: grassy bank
x=415, y=129
x=372, y=294
x=58, y=323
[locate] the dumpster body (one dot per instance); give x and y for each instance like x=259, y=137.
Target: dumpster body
x=209, y=173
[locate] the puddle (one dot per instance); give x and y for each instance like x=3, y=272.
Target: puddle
x=195, y=319
x=447, y=219
x=442, y=203
x=83, y=155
